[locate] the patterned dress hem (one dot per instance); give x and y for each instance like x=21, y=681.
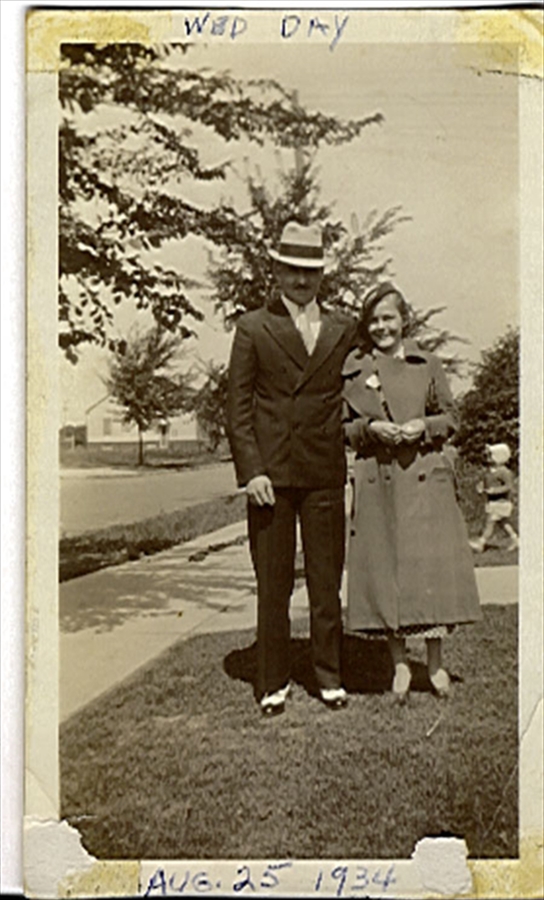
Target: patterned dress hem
x=424, y=631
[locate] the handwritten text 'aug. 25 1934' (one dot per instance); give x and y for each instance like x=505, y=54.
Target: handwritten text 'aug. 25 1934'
x=345, y=880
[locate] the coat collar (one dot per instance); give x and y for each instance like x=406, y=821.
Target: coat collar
x=359, y=361
x=359, y=366
x=413, y=352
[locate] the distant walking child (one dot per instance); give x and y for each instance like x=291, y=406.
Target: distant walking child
x=497, y=486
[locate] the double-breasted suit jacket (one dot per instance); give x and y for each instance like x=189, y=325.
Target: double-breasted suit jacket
x=284, y=406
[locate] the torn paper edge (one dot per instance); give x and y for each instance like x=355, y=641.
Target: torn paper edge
x=45, y=29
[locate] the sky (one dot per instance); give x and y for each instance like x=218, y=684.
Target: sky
x=446, y=153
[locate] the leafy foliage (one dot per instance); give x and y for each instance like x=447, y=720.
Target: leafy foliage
x=128, y=150
x=242, y=276
x=209, y=403
x=241, y=273
x=140, y=381
x=489, y=411
x=437, y=340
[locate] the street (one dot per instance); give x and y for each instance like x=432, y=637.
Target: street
x=96, y=498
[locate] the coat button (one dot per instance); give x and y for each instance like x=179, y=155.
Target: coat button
x=422, y=476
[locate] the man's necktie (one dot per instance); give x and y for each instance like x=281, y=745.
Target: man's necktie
x=306, y=332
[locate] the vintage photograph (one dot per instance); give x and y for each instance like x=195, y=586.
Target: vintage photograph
x=288, y=441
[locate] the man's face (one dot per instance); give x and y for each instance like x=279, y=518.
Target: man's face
x=298, y=283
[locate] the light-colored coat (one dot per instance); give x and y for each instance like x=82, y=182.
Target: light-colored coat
x=409, y=558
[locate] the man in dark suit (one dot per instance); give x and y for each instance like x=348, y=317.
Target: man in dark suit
x=285, y=432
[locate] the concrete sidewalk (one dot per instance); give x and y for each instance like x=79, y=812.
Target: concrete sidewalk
x=118, y=619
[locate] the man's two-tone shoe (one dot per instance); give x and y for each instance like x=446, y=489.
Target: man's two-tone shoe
x=273, y=704
x=334, y=698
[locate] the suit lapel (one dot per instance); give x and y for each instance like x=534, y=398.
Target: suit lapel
x=330, y=333
x=281, y=327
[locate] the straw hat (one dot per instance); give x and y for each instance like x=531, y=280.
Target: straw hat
x=300, y=245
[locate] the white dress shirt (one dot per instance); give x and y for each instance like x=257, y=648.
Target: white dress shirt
x=307, y=320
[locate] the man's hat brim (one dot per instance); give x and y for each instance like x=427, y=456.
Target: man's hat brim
x=304, y=261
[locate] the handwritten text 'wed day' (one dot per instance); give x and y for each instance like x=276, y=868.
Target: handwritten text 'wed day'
x=329, y=28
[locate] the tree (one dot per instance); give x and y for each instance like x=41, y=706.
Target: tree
x=127, y=151
x=242, y=279
x=141, y=382
x=241, y=272
x=209, y=403
x=437, y=340
x=489, y=411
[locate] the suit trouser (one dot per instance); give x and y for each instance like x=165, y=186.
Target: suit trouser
x=272, y=537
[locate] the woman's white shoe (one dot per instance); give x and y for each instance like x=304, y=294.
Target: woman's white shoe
x=441, y=683
x=401, y=683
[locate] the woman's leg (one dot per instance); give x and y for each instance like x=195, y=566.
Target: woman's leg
x=403, y=675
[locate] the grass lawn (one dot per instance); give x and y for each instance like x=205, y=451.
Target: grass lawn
x=177, y=763
x=120, y=456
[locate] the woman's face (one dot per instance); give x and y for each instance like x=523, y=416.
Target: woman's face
x=385, y=325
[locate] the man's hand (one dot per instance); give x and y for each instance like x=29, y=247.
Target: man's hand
x=260, y=491
x=387, y=432
x=412, y=430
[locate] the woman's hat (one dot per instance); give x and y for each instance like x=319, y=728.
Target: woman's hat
x=378, y=292
x=300, y=245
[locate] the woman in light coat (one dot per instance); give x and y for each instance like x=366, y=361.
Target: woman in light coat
x=410, y=568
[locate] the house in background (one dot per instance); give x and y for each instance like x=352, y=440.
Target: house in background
x=106, y=430
x=72, y=436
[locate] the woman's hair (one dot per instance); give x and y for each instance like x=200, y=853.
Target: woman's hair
x=369, y=305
